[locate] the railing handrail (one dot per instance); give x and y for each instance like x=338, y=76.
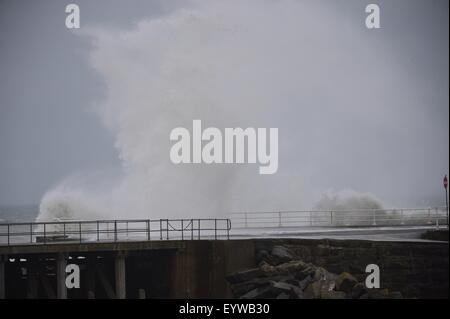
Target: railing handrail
x=114, y=228
x=338, y=210
x=339, y=217
x=93, y=221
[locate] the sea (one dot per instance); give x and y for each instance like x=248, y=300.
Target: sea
x=18, y=213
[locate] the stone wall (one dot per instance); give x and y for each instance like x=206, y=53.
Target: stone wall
x=416, y=269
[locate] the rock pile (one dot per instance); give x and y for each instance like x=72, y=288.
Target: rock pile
x=281, y=275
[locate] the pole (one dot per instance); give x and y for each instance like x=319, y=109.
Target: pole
x=445, y=182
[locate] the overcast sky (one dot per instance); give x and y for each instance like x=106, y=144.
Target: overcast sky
x=48, y=129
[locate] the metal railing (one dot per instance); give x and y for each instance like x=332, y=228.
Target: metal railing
x=341, y=218
x=113, y=230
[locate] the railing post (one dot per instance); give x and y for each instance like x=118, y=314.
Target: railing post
x=45, y=235
x=402, y=220
x=215, y=228
x=192, y=229
x=182, y=229
x=246, y=220
x=310, y=219
x=31, y=233
x=64, y=230
x=167, y=229
x=115, y=230
x=79, y=228
x=148, y=229
x=228, y=228
x=429, y=216
x=437, y=217
x=279, y=219
x=331, y=218
x=7, y=227
x=374, y=223
x=198, y=230
x=98, y=231
x=160, y=229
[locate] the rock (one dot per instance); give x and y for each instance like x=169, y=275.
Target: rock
x=291, y=290
x=319, y=289
x=338, y=295
x=283, y=295
x=326, y=287
x=291, y=267
x=281, y=286
x=262, y=255
x=313, y=291
x=281, y=254
x=357, y=291
x=267, y=269
x=333, y=294
x=322, y=274
x=345, y=282
x=309, y=270
x=296, y=279
x=305, y=282
x=245, y=275
x=298, y=293
x=291, y=281
x=395, y=295
x=259, y=293
x=376, y=294
x=286, y=278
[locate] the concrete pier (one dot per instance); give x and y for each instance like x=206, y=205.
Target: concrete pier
x=198, y=268
x=2, y=276
x=90, y=277
x=120, y=276
x=33, y=276
x=61, y=263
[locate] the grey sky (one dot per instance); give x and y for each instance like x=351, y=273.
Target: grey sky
x=48, y=131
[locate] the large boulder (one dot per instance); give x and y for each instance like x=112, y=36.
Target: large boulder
x=322, y=274
x=345, y=282
x=293, y=291
x=357, y=291
x=298, y=293
x=305, y=282
x=281, y=286
x=308, y=270
x=333, y=294
x=267, y=269
x=280, y=254
x=291, y=267
x=283, y=295
x=262, y=255
x=260, y=293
